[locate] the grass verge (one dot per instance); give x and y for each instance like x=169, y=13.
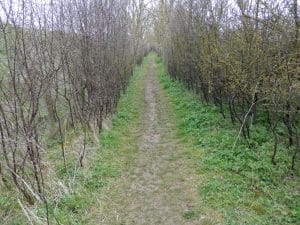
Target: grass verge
x=240, y=183
x=112, y=157
x=78, y=190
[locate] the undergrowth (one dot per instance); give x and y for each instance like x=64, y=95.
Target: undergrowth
x=241, y=182
x=78, y=188
x=113, y=155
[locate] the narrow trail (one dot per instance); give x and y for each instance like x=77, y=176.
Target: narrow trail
x=161, y=186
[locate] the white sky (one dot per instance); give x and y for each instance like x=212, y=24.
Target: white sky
x=15, y=5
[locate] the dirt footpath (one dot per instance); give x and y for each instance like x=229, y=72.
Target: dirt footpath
x=160, y=186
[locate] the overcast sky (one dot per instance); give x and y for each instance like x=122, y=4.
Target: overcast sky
x=17, y=9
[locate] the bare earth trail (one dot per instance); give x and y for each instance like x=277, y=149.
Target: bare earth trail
x=160, y=186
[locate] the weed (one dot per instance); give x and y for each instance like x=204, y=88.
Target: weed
x=189, y=214
x=239, y=182
x=110, y=158
x=72, y=204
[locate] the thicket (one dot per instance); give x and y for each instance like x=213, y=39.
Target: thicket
x=240, y=185
x=243, y=56
x=63, y=67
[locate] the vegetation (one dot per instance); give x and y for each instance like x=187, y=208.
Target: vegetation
x=75, y=191
x=63, y=68
x=69, y=69
x=243, y=57
x=241, y=183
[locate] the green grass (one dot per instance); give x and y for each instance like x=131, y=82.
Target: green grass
x=189, y=214
x=104, y=163
x=111, y=158
x=241, y=183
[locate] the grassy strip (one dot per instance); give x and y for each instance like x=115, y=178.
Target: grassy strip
x=239, y=183
x=79, y=189
x=113, y=156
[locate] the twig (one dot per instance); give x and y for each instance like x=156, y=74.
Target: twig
x=25, y=212
x=244, y=121
x=29, y=188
